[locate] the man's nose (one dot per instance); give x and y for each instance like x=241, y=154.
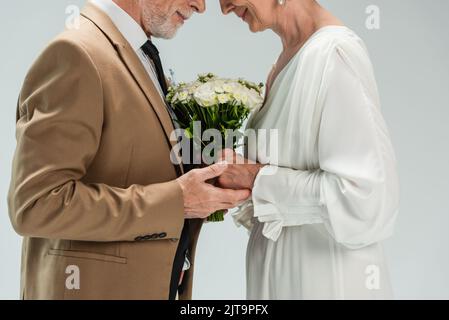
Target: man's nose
x=226, y=6
x=198, y=5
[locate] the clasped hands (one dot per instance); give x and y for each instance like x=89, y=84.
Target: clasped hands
x=234, y=178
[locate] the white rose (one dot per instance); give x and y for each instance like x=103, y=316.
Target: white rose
x=223, y=98
x=183, y=95
x=205, y=96
x=227, y=88
x=218, y=86
x=255, y=100
x=240, y=94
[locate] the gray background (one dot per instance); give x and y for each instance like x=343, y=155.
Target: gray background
x=410, y=55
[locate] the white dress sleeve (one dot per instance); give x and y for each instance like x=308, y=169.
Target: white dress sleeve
x=354, y=192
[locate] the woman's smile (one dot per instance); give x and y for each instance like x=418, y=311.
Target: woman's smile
x=244, y=15
x=241, y=12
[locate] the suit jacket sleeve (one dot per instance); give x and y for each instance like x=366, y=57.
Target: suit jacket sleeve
x=59, y=126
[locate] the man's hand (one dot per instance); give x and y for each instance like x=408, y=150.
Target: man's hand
x=201, y=199
x=240, y=173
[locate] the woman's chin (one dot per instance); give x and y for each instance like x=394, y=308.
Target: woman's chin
x=254, y=28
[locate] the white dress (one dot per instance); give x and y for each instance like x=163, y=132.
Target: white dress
x=321, y=207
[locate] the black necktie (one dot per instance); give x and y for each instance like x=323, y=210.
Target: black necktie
x=151, y=51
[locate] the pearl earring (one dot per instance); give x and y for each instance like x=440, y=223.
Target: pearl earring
x=281, y=2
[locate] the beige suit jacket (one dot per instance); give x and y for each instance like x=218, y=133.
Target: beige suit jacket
x=93, y=188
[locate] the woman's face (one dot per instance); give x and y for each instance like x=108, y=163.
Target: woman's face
x=258, y=14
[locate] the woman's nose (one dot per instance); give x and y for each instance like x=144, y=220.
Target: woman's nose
x=199, y=5
x=226, y=6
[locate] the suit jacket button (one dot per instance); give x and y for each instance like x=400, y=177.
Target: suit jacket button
x=138, y=239
x=154, y=236
x=147, y=237
x=162, y=235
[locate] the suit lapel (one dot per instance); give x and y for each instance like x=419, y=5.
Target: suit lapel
x=134, y=66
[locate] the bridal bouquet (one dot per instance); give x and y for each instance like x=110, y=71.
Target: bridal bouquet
x=217, y=104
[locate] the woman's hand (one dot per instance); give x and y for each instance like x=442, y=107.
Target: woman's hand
x=240, y=172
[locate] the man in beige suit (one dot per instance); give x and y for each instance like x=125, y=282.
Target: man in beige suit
x=104, y=212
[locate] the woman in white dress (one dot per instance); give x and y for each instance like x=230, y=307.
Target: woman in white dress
x=320, y=209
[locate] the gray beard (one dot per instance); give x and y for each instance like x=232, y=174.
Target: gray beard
x=158, y=25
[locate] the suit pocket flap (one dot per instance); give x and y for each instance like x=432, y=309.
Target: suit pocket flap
x=87, y=255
